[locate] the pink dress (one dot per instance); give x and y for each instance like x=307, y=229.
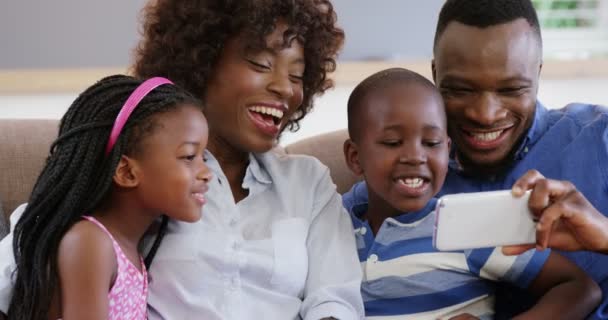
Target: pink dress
x=128, y=296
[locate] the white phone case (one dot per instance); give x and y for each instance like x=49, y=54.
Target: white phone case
x=483, y=219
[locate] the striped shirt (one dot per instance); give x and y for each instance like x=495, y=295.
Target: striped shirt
x=406, y=278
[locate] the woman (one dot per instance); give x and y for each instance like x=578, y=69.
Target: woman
x=274, y=242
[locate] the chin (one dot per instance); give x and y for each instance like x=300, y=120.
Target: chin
x=412, y=205
x=261, y=145
x=485, y=161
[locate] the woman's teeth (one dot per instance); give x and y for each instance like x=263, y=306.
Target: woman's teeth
x=268, y=111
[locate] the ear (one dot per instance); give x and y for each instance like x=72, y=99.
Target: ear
x=126, y=174
x=351, y=155
x=449, y=144
x=433, y=71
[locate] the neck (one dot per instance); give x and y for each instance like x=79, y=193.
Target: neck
x=233, y=162
x=378, y=211
x=124, y=219
x=484, y=171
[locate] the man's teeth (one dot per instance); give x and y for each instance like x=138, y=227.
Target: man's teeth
x=488, y=136
x=412, y=182
x=269, y=111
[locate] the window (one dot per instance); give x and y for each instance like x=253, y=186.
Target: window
x=573, y=28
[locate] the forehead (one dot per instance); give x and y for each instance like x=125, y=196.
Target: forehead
x=509, y=49
x=407, y=104
x=183, y=119
x=280, y=38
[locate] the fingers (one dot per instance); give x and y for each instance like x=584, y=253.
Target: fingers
x=546, y=191
x=526, y=182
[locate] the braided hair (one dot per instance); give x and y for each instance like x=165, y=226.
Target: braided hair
x=76, y=180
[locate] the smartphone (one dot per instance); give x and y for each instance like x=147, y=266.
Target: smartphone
x=483, y=219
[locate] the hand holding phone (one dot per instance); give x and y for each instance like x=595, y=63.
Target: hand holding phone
x=483, y=219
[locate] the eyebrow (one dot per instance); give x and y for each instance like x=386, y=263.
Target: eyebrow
x=517, y=79
x=457, y=80
x=453, y=79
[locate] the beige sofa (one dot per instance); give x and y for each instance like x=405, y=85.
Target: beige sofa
x=24, y=145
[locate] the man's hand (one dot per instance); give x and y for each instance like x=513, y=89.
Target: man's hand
x=567, y=221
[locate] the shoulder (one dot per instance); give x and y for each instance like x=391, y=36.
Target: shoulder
x=357, y=195
x=582, y=114
x=293, y=166
x=85, y=243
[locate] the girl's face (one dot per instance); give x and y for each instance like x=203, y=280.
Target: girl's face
x=252, y=95
x=172, y=174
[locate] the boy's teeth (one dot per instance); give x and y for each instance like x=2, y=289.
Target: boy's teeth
x=488, y=136
x=412, y=182
x=269, y=111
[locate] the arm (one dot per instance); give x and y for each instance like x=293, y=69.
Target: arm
x=565, y=291
x=567, y=220
x=87, y=265
x=334, y=273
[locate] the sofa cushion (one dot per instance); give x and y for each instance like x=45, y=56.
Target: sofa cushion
x=328, y=148
x=25, y=145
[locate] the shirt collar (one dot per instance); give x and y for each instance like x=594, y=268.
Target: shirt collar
x=255, y=170
x=358, y=210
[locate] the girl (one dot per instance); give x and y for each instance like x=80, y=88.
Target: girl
x=127, y=152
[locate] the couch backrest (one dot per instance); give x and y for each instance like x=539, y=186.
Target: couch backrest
x=328, y=148
x=24, y=146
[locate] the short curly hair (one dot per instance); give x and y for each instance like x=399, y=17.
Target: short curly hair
x=486, y=13
x=183, y=39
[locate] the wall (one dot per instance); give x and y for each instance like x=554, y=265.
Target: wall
x=87, y=33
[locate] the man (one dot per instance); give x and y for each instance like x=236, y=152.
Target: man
x=487, y=62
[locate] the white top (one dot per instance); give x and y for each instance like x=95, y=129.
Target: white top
x=286, y=251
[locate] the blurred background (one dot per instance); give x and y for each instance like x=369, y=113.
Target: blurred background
x=51, y=50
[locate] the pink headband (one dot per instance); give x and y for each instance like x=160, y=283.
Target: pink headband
x=126, y=110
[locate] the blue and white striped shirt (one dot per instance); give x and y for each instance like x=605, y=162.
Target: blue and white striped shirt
x=404, y=277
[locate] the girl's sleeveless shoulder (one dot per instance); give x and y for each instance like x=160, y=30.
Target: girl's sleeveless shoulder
x=85, y=241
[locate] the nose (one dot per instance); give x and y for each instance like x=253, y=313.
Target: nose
x=412, y=154
x=204, y=173
x=486, y=109
x=281, y=85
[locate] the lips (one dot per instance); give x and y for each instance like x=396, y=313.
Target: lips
x=486, y=140
x=267, y=117
x=200, y=198
x=412, y=186
x=199, y=195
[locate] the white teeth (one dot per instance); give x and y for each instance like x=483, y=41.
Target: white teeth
x=488, y=136
x=412, y=182
x=269, y=111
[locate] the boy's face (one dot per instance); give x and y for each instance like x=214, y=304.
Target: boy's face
x=402, y=147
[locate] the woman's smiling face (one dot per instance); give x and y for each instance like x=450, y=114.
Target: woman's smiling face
x=252, y=95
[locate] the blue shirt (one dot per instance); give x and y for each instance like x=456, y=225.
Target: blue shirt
x=406, y=278
x=565, y=144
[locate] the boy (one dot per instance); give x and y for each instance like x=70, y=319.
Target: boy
x=399, y=144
